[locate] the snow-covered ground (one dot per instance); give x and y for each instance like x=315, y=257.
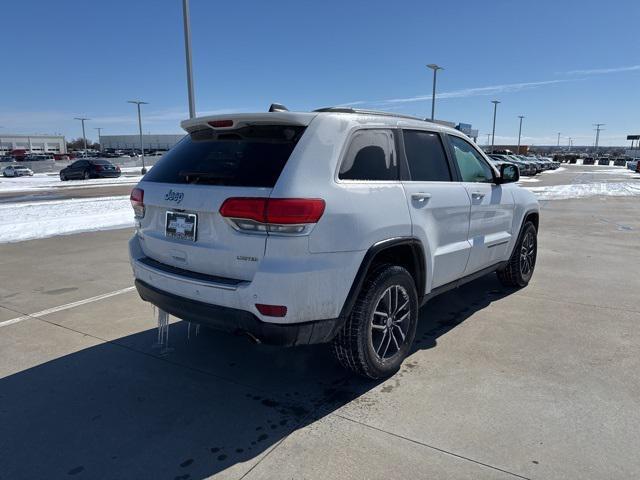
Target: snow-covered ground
x=27, y=221
x=579, y=190
x=46, y=181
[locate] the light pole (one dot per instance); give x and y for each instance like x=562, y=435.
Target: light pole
x=493, y=134
x=99, y=136
x=598, y=130
x=570, y=142
x=488, y=138
x=138, y=103
x=435, y=69
x=187, y=52
x=520, y=132
x=558, y=139
x=84, y=137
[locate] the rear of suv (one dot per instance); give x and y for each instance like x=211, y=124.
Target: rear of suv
x=328, y=226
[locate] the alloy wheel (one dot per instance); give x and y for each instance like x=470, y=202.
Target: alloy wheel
x=390, y=322
x=527, y=254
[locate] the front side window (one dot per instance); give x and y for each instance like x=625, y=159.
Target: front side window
x=425, y=156
x=371, y=156
x=473, y=167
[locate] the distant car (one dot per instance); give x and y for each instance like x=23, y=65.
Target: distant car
x=6, y=159
x=90, y=168
x=523, y=167
x=619, y=162
x=17, y=171
x=603, y=161
x=588, y=161
x=632, y=165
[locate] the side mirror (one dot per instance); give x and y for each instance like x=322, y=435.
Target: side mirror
x=509, y=173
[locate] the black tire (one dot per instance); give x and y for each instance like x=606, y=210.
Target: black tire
x=63, y=177
x=522, y=263
x=86, y=175
x=386, y=288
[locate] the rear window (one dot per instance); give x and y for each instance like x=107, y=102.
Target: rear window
x=252, y=156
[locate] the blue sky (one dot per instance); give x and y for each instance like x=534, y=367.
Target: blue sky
x=563, y=64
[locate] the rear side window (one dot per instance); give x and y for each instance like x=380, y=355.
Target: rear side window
x=426, y=157
x=251, y=156
x=371, y=156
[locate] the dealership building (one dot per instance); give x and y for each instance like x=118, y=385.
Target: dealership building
x=151, y=142
x=32, y=143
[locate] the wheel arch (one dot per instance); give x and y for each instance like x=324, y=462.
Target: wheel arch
x=407, y=252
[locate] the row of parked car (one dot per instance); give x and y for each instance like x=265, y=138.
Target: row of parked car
x=528, y=165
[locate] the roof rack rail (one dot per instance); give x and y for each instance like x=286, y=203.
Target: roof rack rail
x=369, y=112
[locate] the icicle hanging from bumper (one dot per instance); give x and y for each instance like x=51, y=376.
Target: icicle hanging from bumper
x=163, y=332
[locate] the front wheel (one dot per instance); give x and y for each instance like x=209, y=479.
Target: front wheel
x=63, y=177
x=379, y=332
x=519, y=269
x=87, y=175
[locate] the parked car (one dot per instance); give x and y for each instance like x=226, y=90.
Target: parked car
x=619, y=162
x=632, y=164
x=327, y=226
x=604, y=161
x=524, y=168
x=17, y=171
x=7, y=159
x=90, y=168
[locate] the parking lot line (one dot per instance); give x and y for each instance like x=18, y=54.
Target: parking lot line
x=66, y=306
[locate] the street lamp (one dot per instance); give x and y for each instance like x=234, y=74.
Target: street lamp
x=558, y=139
x=84, y=137
x=138, y=103
x=520, y=132
x=187, y=52
x=570, y=142
x=99, y=136
x=493, y=134
x=435, y=69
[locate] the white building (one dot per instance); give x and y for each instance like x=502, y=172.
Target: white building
x=152, y=142
x=33, y=143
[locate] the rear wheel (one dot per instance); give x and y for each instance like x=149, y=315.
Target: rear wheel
x=63, y=177
x=377, y=336
x=519, y=270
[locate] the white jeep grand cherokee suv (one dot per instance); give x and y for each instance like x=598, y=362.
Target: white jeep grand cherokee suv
x=329, y=226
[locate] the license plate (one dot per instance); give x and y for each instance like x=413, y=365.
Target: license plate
x=181, y=225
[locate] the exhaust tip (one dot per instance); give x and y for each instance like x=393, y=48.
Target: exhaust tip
x=251, y=337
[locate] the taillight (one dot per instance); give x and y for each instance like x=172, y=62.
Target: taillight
x=274, y=215
x=98, y=168
x=137, y=202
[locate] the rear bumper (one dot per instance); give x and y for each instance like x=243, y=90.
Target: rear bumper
x=239, y=321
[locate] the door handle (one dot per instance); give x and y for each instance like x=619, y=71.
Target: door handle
x=477, y=195
x=420, y=196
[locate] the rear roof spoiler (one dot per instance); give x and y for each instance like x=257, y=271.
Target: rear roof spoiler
x=242, y=119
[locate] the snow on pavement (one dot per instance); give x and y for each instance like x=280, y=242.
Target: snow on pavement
x=41, y=181
x=580, y=190
x=27, y=221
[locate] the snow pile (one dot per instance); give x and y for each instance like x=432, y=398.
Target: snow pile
x=580, y=190
x=42, y=181
x=26, y=221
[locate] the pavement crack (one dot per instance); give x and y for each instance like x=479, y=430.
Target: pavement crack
x=441, y=450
